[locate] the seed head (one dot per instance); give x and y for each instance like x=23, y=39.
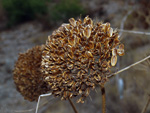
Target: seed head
x=79, y=55
x=27, y=74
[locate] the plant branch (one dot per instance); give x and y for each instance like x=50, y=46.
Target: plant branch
x=103, y=99
x=145, y=107
x=128, y=67
x=74, y=108
x=29, y=110
x=43, y=95
x=135, y=32
x=123, y=21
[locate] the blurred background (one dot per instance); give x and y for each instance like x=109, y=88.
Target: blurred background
x=26, y=23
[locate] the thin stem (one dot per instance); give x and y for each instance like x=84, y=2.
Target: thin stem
x=124, y=20
x=43, y=95
x=145, y=107
x=126, y=68
x=74, y=108
x=135, y=32
x=103, y=99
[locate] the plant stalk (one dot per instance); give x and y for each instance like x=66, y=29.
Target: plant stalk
x=74, y=108
x=103, y=99
x=146, y=106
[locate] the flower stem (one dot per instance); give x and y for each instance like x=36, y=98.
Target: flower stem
x=145, y=107
x=128, y=67
x=74, y=108
x=103, y=99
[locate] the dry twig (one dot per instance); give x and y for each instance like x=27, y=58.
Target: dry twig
x=73, y=106
x=123, y=21
x=128, y=67
x=135, y=32
x=146, y=105
x=44, y=95
x=103, y=99
x=29, y=110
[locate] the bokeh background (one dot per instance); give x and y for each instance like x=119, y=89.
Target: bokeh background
x=26, y=23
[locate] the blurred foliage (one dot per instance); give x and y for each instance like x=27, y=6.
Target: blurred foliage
x=66, y=9
x=46, y=11
x=23, y=10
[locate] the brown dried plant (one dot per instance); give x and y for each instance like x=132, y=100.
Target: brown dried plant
x=27, y=74
x=78, y=56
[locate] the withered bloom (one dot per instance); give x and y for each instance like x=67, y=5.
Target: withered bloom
x=79, y=55
x=27, y=74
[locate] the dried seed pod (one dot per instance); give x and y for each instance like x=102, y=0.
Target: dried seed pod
x=70, y=66
x=88, y=21
x=88, y=54
x=27, y=75
x=80, y=100
x=87, y=92
x=72, y=22
x=110, y=32
x=114, y=52
x=98, y=45
x=80, y=91
x=87, y=31
x=66, y=26
x=120, y=50
x=105, y=27
x=113, y=60
x=91, y=45
x=87, y=49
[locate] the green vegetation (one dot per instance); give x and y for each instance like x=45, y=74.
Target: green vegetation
x=66, y=9
x=18, y=11
x=23, y=10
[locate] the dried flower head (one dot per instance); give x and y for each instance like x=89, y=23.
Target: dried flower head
x=27, y=75
x=79, y=55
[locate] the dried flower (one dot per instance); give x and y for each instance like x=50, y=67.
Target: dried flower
x=79, y=55
x=27, y=74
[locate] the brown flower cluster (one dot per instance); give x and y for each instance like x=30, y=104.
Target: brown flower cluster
x=27, y=74
x=79, y=55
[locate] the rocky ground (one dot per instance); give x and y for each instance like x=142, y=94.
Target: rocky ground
x=13, y=42
x=136, y=80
